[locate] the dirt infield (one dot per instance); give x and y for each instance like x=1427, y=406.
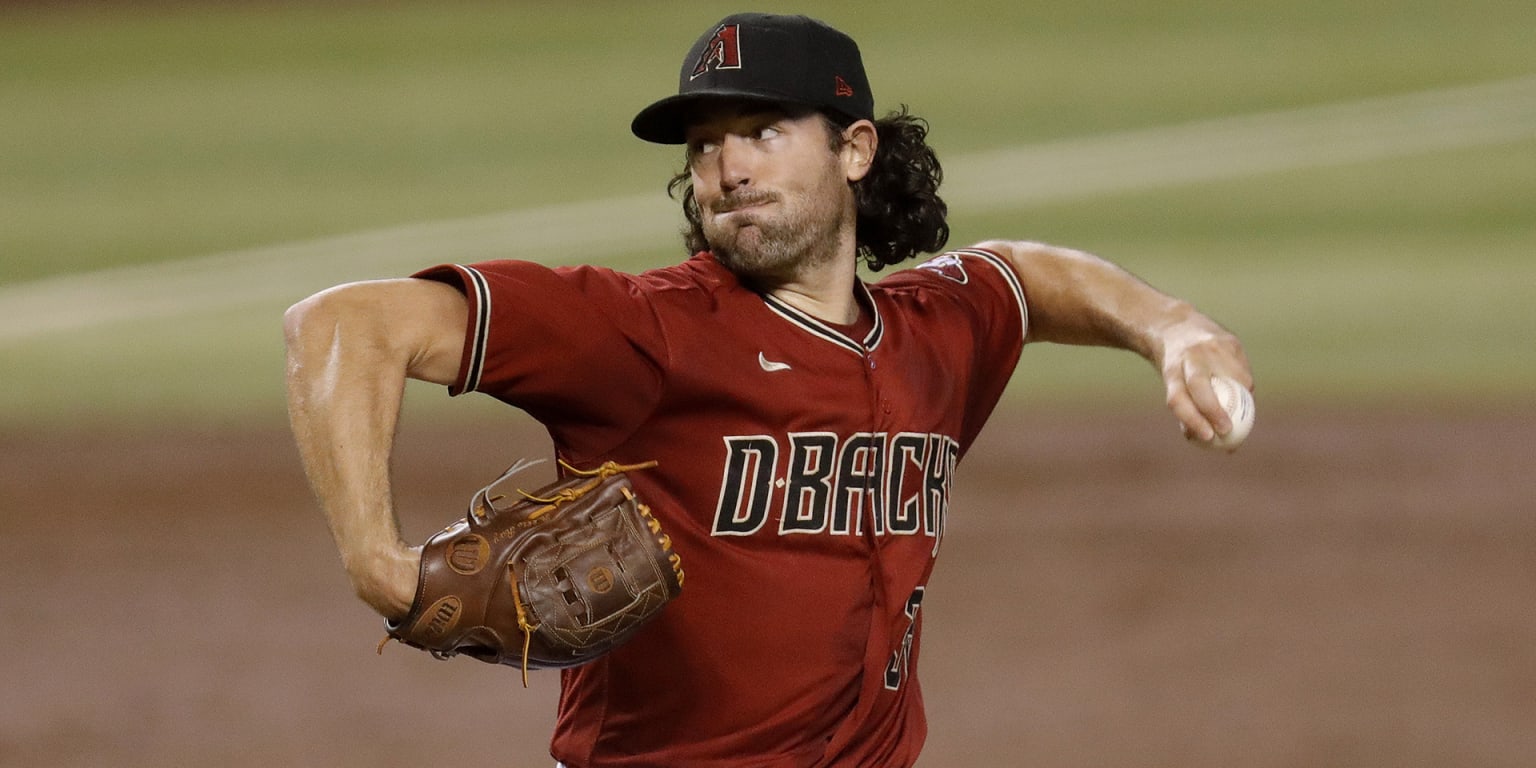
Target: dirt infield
x=1353, y=589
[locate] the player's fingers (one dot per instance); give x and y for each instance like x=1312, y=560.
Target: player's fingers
x=1198, y=380
x=1226, y=357
x=1182, y=401
x=1191, y=360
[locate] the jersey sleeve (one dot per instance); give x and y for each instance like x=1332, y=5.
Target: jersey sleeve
x=983, y=322
x=577, y=348
x=1009, y=311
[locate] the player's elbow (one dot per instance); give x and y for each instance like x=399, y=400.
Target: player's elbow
x=411, y=325
x=321, y=319
x=301, y=320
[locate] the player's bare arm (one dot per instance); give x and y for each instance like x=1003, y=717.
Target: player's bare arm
x=1077, y=298
x=350, y=351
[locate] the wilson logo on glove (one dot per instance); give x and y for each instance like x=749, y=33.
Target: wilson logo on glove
x=498, y=586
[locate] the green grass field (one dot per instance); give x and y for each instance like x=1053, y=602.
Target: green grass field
x=169, y=135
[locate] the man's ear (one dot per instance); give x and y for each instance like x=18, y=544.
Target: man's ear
x=858, y=152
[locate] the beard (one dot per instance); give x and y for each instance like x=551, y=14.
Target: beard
x=775, y=245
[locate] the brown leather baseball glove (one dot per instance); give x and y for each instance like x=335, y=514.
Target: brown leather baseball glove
x=550, y=578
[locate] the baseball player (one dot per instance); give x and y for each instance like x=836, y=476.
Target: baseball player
x=806, y=423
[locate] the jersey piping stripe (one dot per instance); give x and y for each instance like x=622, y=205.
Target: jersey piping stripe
x=827, y=332
x=482, y=328
x=1009, y=276
x=876, y=333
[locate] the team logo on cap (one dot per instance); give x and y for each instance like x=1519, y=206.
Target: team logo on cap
x=723, y=51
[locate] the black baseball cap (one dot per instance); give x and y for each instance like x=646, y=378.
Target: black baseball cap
x=790, y=60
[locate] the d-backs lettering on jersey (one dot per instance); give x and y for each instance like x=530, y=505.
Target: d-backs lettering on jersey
x=821, y=482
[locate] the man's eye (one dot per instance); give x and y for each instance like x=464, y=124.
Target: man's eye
x=768, y=132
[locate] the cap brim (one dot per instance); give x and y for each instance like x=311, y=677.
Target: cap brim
x=666, y=121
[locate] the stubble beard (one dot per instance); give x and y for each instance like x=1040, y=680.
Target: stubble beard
x=767, y=249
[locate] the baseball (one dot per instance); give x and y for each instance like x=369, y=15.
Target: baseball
x=1238, y=403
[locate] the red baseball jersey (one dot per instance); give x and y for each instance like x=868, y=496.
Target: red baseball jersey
x=804, y=478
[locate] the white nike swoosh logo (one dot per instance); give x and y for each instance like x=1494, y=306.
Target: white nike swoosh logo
x=771, y=366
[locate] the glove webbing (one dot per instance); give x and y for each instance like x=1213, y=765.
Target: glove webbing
x=608, y=469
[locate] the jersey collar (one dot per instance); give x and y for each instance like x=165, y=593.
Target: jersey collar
x=829, y=332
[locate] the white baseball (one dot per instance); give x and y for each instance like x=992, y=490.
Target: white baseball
x=1238, y=403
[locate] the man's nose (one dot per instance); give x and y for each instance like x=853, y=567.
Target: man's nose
x=736, y=162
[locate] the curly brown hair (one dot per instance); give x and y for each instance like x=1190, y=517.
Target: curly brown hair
x=900, y=213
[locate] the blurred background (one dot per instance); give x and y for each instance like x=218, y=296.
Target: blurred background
x=1349, y=185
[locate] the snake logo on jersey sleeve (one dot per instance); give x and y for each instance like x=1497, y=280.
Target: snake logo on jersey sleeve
x=947, y=265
